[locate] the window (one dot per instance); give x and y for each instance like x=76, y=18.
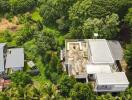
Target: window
x=104, y=87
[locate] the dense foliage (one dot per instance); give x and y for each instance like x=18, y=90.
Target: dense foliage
x=128, y=55
x=4, y=6
x=43, y=25
x=66, y=84
x=20, y=78
x=82, y=91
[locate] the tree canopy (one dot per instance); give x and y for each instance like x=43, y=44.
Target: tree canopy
x=82, y=91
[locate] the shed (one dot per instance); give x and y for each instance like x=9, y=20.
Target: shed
x=15, y=58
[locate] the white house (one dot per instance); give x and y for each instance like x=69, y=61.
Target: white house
x=94, y=60
x=11, y=58
x=15, y=59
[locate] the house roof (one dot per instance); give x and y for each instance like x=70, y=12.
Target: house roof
x=2, y=45
x=100, y=51
x=111, y=78
x=1, y=57
x=93, y=69
x=15, y=58
x=116, y=50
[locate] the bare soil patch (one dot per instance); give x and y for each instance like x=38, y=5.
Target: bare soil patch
x=7, y=25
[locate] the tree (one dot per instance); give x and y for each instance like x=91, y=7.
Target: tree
x=23, y=35
x=66, y=84
x=22, y=6
x=106, y=28
x=45, y=41
x=84, y=9
x=128, y=20
x=82, y=91
x=52, y=69
x=128, y=17
x=20, y=78
x=128, y=55
x=4, y=6
x=56, y=11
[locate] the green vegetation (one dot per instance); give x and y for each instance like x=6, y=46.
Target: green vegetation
x=82, y=91
x=128, y=55
x=44, y=25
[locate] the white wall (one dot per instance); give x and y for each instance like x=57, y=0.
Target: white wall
x=115, y=88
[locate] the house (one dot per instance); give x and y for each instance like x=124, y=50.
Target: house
x=2, y=57
x=15, y=59
x=11, y=59
x=95, y=61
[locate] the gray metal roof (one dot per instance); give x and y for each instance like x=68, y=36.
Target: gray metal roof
x=100, y=52
x=15, y=58
x=111, y=78
x=2, y=57
x=116, y=49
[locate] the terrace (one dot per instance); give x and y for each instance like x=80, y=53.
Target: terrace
x=76, y=57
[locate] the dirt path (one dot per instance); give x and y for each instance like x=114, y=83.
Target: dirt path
x=6, y=25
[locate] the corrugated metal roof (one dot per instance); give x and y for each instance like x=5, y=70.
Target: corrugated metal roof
x=100, y=51
x=111, y=78
x=15, y=58
x=116, y=50
x=93, y=69
x=2, y=57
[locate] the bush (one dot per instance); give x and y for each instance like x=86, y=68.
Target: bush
x=7, y=36
x=20, y=78
x=23, y=35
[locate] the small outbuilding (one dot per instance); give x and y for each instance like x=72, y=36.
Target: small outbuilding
x=15, y=59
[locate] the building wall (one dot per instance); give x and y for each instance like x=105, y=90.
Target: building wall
x=111, y=88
